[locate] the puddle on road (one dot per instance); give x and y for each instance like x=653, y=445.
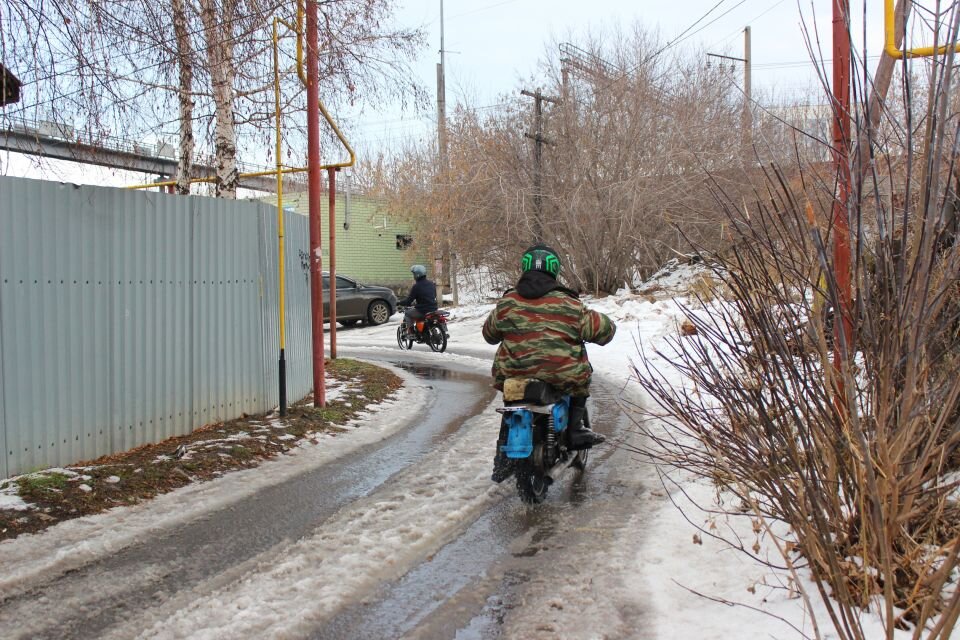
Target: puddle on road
x=425, y=371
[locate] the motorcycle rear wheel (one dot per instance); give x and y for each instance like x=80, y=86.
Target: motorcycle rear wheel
x=436, y=338
x=402, y=339
x=531, y=484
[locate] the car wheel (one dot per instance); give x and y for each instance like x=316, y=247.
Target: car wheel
x=378, y=312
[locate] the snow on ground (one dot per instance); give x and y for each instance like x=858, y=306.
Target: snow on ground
x=373, y=540
x=684, y=580
x=10, y=500
x=670, y=565
x=74, y=543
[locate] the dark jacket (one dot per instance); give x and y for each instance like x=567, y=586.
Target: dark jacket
x=423, y=295
x=541, y=327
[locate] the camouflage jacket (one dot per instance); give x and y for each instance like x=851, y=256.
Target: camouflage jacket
x=541, y=328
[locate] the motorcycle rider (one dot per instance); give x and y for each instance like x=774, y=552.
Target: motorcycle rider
x=542, y=327
x=423, y=295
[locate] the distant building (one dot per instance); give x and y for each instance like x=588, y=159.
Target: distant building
x=9, y=87
x=371, y=246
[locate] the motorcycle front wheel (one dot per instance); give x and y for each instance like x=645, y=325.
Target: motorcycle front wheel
x=436, y=338
x=402, y=339
x=531, y=484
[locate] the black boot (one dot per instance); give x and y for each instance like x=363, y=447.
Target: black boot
x=581, y=437
x=502, y=465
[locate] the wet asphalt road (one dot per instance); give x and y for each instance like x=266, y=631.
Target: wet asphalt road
x=465, y=589
x=468, y=588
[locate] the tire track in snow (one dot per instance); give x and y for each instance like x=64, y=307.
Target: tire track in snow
x=375, y=539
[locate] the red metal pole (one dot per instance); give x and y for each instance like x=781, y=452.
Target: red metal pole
x=841, y=147
x=332, y=228
x=314, y=194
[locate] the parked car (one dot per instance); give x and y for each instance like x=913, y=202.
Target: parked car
x=358, y=302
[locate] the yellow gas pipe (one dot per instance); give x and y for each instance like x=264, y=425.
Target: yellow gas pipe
x=890, y=47
x=279, y=172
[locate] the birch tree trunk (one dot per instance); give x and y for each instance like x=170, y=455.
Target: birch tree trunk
x=217, y=20
x=185, y=96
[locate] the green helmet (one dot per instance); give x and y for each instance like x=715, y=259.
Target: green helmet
x=540, y=257
x=418, y=271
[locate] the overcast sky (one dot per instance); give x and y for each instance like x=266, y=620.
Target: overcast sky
x=494, y=46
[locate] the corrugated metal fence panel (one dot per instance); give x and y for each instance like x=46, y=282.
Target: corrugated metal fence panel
x=227, y=352
x=151, y=288
x=129, y=317
x=54, y=265
x=298, y=350
x=268, y=306
x=299, y=329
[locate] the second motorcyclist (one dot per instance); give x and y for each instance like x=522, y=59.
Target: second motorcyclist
x=423, y=297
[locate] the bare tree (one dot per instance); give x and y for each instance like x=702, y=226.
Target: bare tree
x=218, y=19
x=625, y=167
x=185, y=64
x=120, y=65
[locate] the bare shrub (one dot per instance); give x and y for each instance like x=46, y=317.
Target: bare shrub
x=859, y=459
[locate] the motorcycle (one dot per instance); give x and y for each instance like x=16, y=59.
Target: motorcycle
x=535, y=419
x=432, y=330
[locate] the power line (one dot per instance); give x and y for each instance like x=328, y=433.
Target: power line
x=701, y=18
x=479, y=9
x=626, y=74
x=797, y=64
x=750, y=21
x=727, y=12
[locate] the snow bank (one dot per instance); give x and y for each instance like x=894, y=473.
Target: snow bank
x=74, y=543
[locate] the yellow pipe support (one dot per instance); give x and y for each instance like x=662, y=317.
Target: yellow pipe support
x=299, y=31
x=889, y=40
x=343, y=141
x=254, y=174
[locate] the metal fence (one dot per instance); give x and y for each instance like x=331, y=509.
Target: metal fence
x=129, y=317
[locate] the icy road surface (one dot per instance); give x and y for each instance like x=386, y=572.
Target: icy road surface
x=401, y=536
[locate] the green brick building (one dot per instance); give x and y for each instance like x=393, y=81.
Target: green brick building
x=372, y=246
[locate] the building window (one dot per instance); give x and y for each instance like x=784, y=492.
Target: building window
x=404, y=241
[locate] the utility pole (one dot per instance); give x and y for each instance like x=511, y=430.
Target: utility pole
x=539, y=139
x=442, y=144
x=747, y=104
x=747, y=117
